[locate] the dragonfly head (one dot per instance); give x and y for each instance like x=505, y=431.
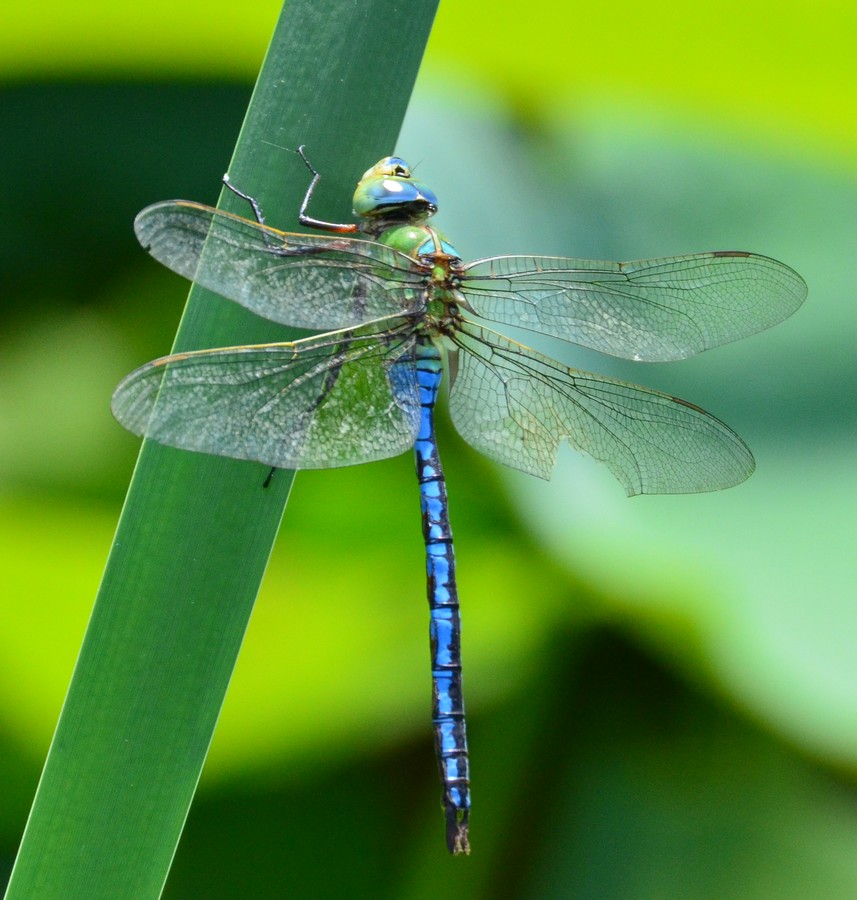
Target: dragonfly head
x=387, y=194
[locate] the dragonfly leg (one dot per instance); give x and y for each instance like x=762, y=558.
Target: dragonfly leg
x=307, y=220
x=316, y=177
x=254, y=203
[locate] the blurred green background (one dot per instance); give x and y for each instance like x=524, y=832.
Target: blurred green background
x=661, y=690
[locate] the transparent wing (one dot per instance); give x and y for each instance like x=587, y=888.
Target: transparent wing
x=307, y=281
x=516, y=406
x=330, y=400
x=651, y=309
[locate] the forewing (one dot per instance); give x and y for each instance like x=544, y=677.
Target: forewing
x=331, y=400
x=649, y=310
x=307, y=281
x=516, y=406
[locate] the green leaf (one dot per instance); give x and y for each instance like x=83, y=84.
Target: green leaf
x=196, y=531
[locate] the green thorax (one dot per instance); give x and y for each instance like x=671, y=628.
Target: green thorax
x=416, y=241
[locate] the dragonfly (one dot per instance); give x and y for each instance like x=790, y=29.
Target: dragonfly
x=397, y=307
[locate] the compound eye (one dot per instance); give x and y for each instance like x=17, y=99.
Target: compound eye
x=396, y=167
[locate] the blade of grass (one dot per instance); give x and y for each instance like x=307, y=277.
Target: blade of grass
x=196, y=532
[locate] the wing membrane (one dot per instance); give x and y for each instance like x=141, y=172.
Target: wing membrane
x=307, y=281
x=651, y=309
x=331, y=400
x=516, y=406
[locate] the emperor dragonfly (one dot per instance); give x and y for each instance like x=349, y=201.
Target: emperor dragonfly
x=400, y=300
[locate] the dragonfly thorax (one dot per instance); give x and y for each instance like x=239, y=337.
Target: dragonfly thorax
x=419, y=241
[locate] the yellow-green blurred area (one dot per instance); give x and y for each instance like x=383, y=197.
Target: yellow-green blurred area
x=661, y=690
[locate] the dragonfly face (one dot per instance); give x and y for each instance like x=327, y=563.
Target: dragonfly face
x=387, y=194
x=366, y=388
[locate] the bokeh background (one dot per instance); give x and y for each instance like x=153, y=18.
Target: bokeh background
x=662, y=691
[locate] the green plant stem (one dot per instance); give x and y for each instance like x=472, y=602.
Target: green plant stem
x=196, y=532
